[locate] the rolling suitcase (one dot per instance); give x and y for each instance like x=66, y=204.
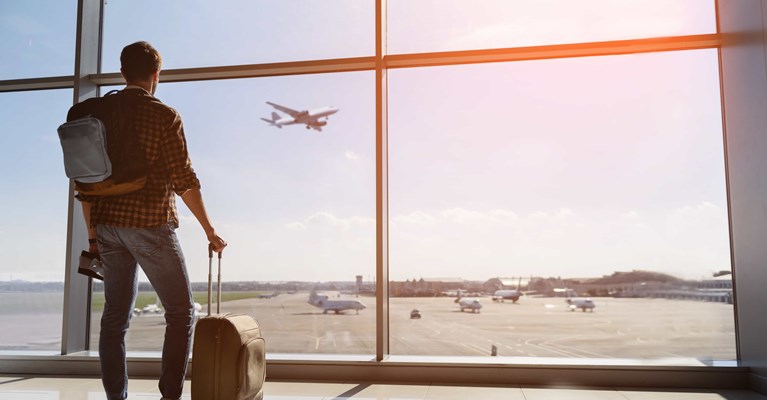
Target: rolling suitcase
x=228, y=356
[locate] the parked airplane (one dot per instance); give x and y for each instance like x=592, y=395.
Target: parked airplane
x=157, y=309
x=152, y=308
x=337, y=306
x=578, y=302
x=470, y=303
x=508, y=294
x=310, y=118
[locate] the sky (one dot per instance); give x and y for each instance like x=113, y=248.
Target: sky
x=574, y=167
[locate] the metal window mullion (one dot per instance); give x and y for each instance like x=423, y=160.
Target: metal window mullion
x=461, y=57
x=251, y=70
x=382, y=189
x=77, y=288
x=46, y=83
x=589, y=49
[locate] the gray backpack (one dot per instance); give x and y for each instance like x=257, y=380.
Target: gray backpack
x=100, y=145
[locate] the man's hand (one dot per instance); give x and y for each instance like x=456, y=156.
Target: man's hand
x=93, y=248
x=216, y=242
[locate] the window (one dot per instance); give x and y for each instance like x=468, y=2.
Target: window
x=296, y=205
x=33, y=226
x=202, y=33
x=594, y=180
x=37, y=38
x=446, y=25
x=599, y=178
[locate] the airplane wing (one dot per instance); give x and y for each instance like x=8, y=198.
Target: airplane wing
x=286, y=110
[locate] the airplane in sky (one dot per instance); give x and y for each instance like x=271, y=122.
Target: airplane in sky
x=311, y=118
x=582, y=303
x=337, y=306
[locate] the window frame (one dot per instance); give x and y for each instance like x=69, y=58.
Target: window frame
x=77, y=358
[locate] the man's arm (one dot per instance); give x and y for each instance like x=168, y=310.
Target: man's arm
x=92, y=247
x=193, y=200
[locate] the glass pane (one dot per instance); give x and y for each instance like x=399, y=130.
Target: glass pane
x=446, y=25
x=207, y=33
x=595, y=178
x=37, y=38
x=33, y=226
x=296, y=205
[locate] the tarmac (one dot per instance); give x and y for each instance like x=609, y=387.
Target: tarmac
x=535, y=327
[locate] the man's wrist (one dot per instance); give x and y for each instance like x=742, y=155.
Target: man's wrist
x=92, y=241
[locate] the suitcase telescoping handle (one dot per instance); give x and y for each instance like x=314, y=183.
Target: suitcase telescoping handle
x=210, y=280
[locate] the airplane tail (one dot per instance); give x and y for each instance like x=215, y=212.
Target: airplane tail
x=315, y=299
x=275, y=117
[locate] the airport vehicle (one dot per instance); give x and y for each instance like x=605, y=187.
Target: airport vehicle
x=582, y=303
x=337, y=306
x=311, y=118
x=415, y=314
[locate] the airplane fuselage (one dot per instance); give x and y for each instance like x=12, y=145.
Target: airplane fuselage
x=580, y=303
x=337, y=306
x=501, y=295
x=470, y=304
x=311, y=118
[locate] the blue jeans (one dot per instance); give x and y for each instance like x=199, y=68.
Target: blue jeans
x=158, y=252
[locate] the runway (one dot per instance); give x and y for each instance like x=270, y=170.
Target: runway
x=535, y=327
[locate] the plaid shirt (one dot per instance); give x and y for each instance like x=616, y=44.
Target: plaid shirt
x=161, y=133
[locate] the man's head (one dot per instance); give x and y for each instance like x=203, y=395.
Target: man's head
x=141, y=63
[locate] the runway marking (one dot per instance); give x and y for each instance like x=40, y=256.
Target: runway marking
x=530, y=343
x=317, y=344
x=472, y=346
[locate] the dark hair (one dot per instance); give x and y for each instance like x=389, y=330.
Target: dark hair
x=139, y=61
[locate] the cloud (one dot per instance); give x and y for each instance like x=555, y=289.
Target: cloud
x=561, y=214
x=415, y=218
x=456, y=215
x=296, y=226
x=351, y=155
x=326, y=220
x=462, y=215
x=504, y=215
x=631, y=215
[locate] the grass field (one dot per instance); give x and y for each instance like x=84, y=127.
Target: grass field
x=145, y=298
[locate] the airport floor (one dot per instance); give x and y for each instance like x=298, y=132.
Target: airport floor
x=47, y=388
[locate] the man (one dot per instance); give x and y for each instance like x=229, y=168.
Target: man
x=138, y=227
